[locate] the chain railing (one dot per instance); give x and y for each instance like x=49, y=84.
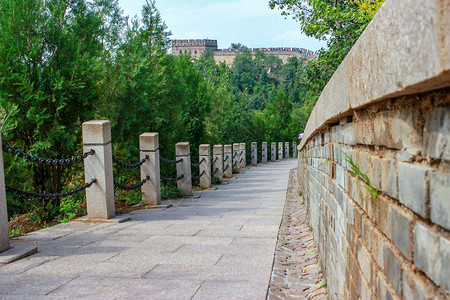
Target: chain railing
x=199, y=163
x=199, y=176
x=168, y=161
x=128, y=166
x=132, y=187
x=29, y=194
x=172, y=179
x=47, y=161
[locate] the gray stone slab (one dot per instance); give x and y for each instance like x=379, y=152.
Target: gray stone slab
x=231, y=290
x=121, y=288
x=116, y=219
x=15, y=253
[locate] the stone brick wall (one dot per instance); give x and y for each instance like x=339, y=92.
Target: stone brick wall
x=388, y=108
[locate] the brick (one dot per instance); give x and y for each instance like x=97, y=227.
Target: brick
x=406, y=134
x=383, y=290
x=440, y=198
x=341, y=175
x=437, y=133
x=415, y=287
x=412, y=186
x=392, y=269
x=388, y=177
x=432, y=254
x=374, y=171
x=364, y=262
x=347, y=134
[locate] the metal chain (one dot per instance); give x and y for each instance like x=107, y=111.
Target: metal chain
x=47, y=161
x=125, y=165
x=214, y=173
x=217, y=158
x=199, y=163
x=172, y=179
x=241, y=160
x=226, y=168
x=133, y=187
x=226, y=158
x=198, y=177
x=234, y=155
x=50, y=196
x=168, y=161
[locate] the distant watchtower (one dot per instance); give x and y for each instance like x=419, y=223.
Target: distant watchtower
x=194, y=47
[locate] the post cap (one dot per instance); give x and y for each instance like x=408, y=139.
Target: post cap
x=204, y=149
x=254, y=144
x=149, y=141
x=182, y=148
x=217, y=149
x=96, y=132
x=264, y=144
x=227, y=148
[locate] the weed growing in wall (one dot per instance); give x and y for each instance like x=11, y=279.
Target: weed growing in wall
x=357, y=173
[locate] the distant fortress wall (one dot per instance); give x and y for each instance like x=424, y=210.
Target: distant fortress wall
x=197, y=48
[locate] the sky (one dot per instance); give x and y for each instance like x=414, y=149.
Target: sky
x=249, y=22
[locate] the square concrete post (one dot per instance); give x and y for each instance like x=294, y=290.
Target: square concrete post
x=243, y=154
x=204, y=152
x=294, y=150
x=151, y=190
x=218, y=162
x=227, y=161
x=286, y=150
x=236, y=157
x=182, y=151
x=280, y=150
x=100, y=196
x=254, y=154
x=273, y=151
x=4, y=233
x=264, y=153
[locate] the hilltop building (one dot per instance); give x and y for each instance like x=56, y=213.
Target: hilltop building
x=196, y=48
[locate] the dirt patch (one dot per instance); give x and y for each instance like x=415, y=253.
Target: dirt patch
x=296, y=272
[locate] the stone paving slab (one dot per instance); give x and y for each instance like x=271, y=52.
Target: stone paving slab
x=219, y=246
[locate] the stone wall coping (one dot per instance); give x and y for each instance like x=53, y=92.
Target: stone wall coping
x=403, y=51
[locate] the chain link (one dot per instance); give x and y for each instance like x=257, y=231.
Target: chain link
x=172, y=179
x=133, y=187
x=214, y=173
x=199, y=163
x=198, y=177
x=217, y=158
x=50, y=196
x=226, y=158
x=226, y=168
x=125, y=165
x=168, y=161
x=47, y=161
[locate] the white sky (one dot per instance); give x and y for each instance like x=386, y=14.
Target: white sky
x=249, y=22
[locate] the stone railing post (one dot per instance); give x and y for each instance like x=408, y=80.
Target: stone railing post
x=217, y=168
x=204, y=152
x=151, y=190
x=100, y=196
x=280, y=150
x=236, y=157
x=182, y=151
x=273, y=151
x=264, y=153
x=254, y=154
x=227, y=161
x=286, y=150
x=243, y=154
x=4, y=233
x=294, y=150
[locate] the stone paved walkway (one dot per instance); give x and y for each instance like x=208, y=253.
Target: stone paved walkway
x=220, y=246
